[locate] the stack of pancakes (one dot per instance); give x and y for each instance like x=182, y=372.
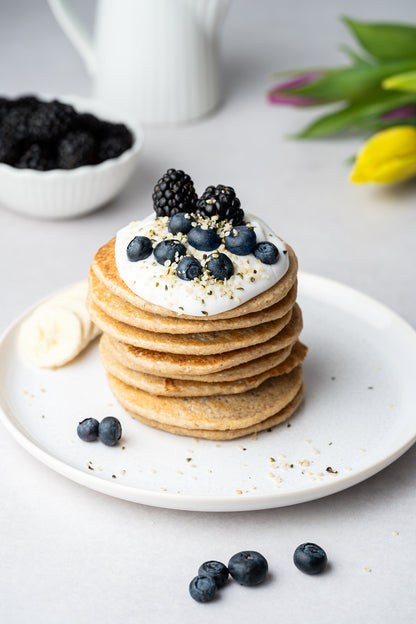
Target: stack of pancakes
x=218, y=377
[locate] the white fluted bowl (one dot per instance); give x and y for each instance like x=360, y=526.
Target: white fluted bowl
x=65, y=193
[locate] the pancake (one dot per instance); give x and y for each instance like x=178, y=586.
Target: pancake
x=221, y=412
x=166, y=386
x=178, y=365
x=216, y=376
x=248, y=369
x=123, y=311
x=105, y=268
x=205, y=343
x=212, y=434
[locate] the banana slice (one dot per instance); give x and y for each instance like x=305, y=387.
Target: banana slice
x=51, y=336
x=59, y=329
x=78, y=307
x=74, y=297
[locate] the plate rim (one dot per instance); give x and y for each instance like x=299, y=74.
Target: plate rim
x=203, y=502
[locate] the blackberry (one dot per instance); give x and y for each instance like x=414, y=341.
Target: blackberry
x=76, y=149
x=111, y=147
x=4, y=107
x=15, y=123
x=9, y=150
x=50, y=120
x=30, y=101
x=117, y=130
x=174, y=193
x=88, y=122
x=37, y=156
x=221, y=200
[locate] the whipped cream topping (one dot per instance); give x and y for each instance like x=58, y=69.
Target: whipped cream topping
x=204, y=296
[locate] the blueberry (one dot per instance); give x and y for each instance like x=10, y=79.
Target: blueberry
x=203, y=588
x=170, y=249
x=241, y=240
x=204, y=240
x=189, y=268
x=216, y=570
x=109, y=430
x=267, y=252
x=310, y=558
x=180, y=223
x=248, y=567
x=139, y=248
x=87, y=429
x=220, y=266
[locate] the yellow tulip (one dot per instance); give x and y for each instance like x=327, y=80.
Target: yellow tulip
x=388, y=157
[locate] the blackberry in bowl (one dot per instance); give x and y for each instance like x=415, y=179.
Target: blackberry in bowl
x=63, y=157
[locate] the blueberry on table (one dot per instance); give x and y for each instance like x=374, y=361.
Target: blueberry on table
x=180, y=223
x=87, y=429
x=203, y=588
x=220, y=266
x=204, y=240
x=170, y=249
x=310, y=558
x=266, y=252
x=216, y=570
x=248, y=567
x=189, y=268
x=139, y=248
x=109, y=430
x=241, y=240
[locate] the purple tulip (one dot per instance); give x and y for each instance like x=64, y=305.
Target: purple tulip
x=278, y=94
x=397, y=114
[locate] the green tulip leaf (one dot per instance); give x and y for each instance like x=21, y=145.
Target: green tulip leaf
x=351, y=82
x=385, y=41
x=356, y=58
x=401, y=82
x=346, y=117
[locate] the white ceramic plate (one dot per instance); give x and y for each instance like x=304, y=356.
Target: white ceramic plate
x=358, y=417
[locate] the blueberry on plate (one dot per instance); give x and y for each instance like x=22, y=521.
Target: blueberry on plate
x=109, y=430
x=204, y=240
x=220, y=266
x=203, y=588
x=266, y=252
x=180, y=222
x=170, y=249
x=248, y=567
x=139, y=248
x=87, y=429
x=189, y=268
x=310, y=558
x=216, y=570
x=241, y=240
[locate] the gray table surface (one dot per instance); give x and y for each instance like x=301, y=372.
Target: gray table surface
x=68, y=554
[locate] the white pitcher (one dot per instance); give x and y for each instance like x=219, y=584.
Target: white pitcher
x=157, y=60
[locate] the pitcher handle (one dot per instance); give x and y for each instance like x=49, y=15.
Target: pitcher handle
x=75, y=31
